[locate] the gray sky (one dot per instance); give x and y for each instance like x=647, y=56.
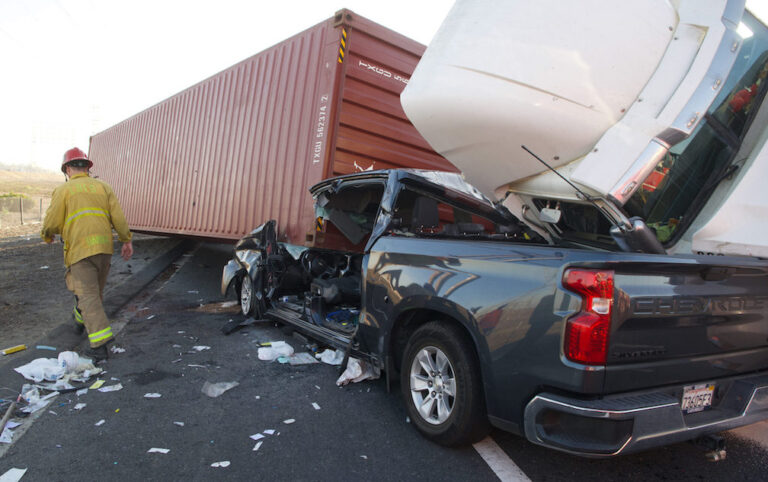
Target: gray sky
x=72, y=68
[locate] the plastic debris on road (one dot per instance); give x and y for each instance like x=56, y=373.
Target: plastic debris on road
x=14, y=349
x=213, y=390
x=13, y=475
x=6, y=436
x=111, y=388
x=81, y=392
x=257, y=436
x=150, y=317
x=257, y=446
x=331, y=357
x=223, y=463
x=80, y=406
x=180, y=424
x=289, y=421
x=100, y=423
x=68, y=366
x=275, y=350
x=152, y=395
x=269, y=432
x=46, y=347
x=96, y=385
x=357, y=371
x=315, y=406
x=201, y=348
x=116, y=349
x=31, y=395
x=155, y=450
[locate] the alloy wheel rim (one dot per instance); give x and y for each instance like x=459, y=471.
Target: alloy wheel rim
x=433, y=385
x=246, y=291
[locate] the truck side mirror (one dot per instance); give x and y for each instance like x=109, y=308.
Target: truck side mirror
x=638, y=238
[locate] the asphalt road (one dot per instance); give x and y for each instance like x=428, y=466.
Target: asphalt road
x=360, y=431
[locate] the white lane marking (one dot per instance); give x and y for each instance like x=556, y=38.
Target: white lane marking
x=499, y=461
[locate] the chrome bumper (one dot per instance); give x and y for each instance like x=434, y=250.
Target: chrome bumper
x=639, y=421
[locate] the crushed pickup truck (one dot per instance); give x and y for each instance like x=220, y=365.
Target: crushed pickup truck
x=577, y=348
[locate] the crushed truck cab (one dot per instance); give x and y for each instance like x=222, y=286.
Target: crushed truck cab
x=485, y=322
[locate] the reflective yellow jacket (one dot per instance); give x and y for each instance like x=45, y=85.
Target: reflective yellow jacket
x=84, y=211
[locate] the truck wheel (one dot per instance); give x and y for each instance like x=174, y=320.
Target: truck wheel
x=251, y=298
x=440, y=380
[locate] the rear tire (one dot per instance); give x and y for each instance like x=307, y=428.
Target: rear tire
x=441, y=385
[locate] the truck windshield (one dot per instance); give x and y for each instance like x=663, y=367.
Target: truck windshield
x=676, y=190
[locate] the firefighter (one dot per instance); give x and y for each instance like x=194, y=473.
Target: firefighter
x=84, y=211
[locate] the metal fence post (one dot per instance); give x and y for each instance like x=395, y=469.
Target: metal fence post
x=21, y=209
x=41, y=210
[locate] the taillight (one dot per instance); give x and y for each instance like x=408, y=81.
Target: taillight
x=586, y=333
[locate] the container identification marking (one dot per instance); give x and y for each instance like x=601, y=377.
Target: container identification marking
x=384, y=73
x=317, y=150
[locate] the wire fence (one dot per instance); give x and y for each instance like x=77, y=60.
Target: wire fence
x=18, y=211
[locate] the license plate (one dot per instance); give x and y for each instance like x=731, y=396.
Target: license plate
x=697, y=397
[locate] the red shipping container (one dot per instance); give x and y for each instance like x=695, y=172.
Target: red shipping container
x=242, y=147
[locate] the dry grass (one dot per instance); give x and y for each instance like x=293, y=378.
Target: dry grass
x=31, y=184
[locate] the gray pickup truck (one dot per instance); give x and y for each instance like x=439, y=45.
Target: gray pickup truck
x=587, y=351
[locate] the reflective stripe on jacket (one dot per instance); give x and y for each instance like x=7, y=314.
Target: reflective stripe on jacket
x=84, y=211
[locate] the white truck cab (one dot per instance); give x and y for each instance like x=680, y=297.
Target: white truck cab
x=652, y=109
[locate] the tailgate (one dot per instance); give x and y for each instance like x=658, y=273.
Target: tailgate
x=688, y=319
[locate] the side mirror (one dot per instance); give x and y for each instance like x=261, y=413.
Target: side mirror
x=639, y=238
x=549, y=215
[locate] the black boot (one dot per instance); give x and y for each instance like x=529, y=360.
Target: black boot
x=97, y=354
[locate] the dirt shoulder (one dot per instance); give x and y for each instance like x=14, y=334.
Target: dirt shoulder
x=33, y=297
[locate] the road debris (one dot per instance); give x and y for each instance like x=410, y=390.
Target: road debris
x=364, y=457
x=80, y=406
x=213, y=390
x=155, y=450
x=257, y=436
x=35, y=402
x=357, y=371
x=269, y=432
x=289, y=421
x=229, y=304
x=100, y=422
x=201, y=348
x=257, y=446
x=13, y=475
x=150, y=317
x=302, y=358
x=152, y=395
x=197, y=366
x=46, y=347
x=14, y=349
x=223, y=463
x=180, y=424
x=111, y=388
x=274, y=350
x=81, y=392
x=68, y=366
x=117, y=349
x=44, y=267
x=315, y=406
x=331, y=357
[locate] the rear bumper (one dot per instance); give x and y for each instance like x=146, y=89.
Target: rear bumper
x=631, y=422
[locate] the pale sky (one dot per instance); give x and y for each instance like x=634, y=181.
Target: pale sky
x=72, y=68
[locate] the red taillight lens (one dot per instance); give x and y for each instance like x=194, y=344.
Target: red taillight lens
x=586, y=333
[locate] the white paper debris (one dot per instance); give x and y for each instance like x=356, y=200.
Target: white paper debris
x=269, y=432
x=7, y=436
x=357, y=371
x=81, y=392
x=257, y=446
x=213, y=390
x=100, y=422
x=201, y=347
x=13, y=475
x=289, y=421
x=316, y=406
x=197, y=366
x=317, y=386
x=180, y=424
x=80, y=406
x=52, y=412
x=302, y=358
x=44, y=267
x=257, y=436
x=117, y=349
x=223, y=463
x=181, y=332
x=111, y=388
x=150, y=317
x=12, y=425
x=152, y=395
x=331, y=357
x=364, y=457
x=155, y=450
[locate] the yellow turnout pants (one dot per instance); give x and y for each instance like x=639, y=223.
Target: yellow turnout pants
x=86, y=279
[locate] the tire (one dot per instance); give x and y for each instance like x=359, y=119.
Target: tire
x=450, y=394
x=251, y=298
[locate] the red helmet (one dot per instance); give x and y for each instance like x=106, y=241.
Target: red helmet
x=72, y=155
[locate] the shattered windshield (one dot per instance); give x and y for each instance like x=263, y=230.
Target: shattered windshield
x=677, y=189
